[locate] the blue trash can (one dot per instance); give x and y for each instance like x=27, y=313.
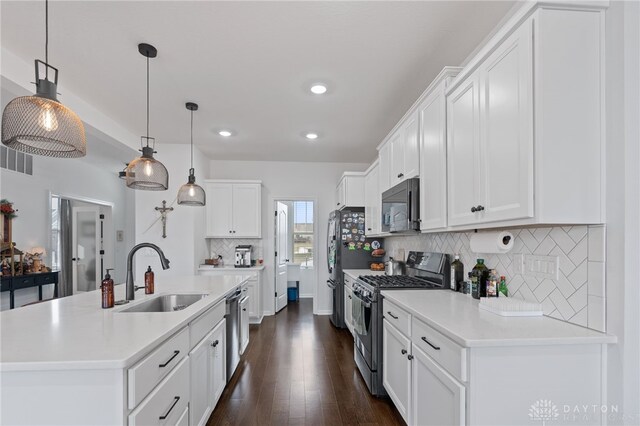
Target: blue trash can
x=292, y=294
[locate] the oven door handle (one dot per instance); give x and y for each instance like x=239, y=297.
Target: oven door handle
x=366, y=303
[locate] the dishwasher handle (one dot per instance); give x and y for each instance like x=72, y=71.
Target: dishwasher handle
x=234, y=296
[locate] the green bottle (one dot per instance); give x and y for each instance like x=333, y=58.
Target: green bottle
x=481, y=273
x=457, y=270
x=503, y=286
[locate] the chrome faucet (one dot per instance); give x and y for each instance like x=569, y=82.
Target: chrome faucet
x=131, y=288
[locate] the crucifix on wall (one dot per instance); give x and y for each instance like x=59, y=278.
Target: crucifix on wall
x=163, y=216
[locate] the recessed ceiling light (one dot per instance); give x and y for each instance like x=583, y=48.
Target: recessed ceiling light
x=318, y=89
x=311, y=136
x=224, y=133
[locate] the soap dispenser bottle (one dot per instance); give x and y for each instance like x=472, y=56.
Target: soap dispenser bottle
x=149, y=278
x=108, y=297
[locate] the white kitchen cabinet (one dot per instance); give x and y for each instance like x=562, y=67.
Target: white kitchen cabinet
x=233, y=209
x=244, y=323
x=373, y=200
x=396, y=374
x=253, y=287
x=411, y=148
x=208, y=374
x=384, y=167
x=525, y=124
x=396, y=141
x=436, y=397
x=350, y=190
x=433, y=153
x=348, y=308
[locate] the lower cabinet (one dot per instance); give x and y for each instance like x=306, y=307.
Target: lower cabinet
x=208, y=374
x=244, y=323
x=396, y=374
x=348, y=308
x=436, y=397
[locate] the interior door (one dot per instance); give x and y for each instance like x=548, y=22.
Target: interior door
x=85, y=248
x=282, y=248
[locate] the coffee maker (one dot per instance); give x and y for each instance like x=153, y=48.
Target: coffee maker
x=243, y=256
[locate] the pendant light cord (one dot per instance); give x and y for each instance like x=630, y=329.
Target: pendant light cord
x=46, y=38
x=192, y=139
x=147, y=101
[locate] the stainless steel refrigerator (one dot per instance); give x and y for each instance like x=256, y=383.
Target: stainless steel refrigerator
x=347, y=248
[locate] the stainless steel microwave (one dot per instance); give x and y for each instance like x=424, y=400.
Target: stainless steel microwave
x=401, y=207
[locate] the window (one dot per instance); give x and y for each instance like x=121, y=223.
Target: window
x=303, y=233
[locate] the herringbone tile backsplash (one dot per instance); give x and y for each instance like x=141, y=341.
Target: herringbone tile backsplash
x=577, y=296
x=226, y=247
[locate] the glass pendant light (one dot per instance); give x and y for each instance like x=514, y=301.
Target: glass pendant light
x=39, y=124
x=191, y=194
x=145, y=172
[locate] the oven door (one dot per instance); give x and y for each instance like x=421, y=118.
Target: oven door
x=364, y=325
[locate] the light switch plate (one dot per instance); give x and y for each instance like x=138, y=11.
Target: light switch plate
x=518, y=263
x=540, y=266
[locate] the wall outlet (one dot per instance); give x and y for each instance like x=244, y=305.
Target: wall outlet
x=518, y=263
x=541, y=266
x=119, y=236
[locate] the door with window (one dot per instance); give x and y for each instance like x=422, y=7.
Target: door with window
x=85, y=248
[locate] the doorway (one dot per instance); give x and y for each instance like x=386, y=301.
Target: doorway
x=82, y=245
x=295, y=244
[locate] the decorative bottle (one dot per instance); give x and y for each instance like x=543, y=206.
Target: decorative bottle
x=481, y=273
x=457, y=273
x=149, y=278
x=108, y=297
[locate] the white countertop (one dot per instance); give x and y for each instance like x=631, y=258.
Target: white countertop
x=355, y=273
x=76, y=333
x=229, y=268
x=458, y=317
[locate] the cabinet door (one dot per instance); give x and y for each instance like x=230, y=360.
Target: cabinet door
x=253, y=299
x=219, y=210
x=436, y=397
x=463, y=134
x=348, y=308
x=384, y=167
x=372, y=201
x=411, y=148
x=244, y=324
x=507, y=137
x=433, y=160
x=246, y=210
x=397, y=157
x=396, y=374
x=200, y=365
x=218, y=356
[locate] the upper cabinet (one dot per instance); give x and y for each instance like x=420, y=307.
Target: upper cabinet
x=373, y=200
x=350, y=190
x=433, y=153
x=525, y=125
x=233, y=209
x=399, y=156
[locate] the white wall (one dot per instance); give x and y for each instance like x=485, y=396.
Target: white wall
x=72, y=178
x=185, y=245
x=291, y=181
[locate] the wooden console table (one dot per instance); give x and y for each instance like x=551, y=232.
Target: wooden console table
x=11, y=284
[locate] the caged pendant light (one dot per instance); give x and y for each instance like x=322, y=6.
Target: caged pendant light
x=145, y=172
x=191, y=194
x=39, y=124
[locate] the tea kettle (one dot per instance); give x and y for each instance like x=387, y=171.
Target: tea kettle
x=393, y=267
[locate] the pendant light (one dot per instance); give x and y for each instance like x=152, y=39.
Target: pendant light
x=39, y=124
x=145, y=172
x=191, y=194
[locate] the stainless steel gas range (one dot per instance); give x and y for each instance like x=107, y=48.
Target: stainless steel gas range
x=425, y=271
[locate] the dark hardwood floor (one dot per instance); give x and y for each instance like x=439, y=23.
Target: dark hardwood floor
x=299, y=369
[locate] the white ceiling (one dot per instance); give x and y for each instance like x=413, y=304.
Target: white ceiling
x=249, y=66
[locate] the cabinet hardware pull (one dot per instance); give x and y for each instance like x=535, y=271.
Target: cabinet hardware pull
x=424, y=339
x=479, y=208
x=473, y=209
x=214, y=343
x=244, y=309
x=392, y=316
x=175, y=354
x=350, y=297
x=409, y=357
x=368, y=229
x=234, y=232
x=404, y=352
x=175, y=401
x=400, y=175
x=229, y=231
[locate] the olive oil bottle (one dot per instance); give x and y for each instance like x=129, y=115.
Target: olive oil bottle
x=457, y=274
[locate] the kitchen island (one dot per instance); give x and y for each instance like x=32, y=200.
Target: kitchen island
x=446, y=361
x=81, y=364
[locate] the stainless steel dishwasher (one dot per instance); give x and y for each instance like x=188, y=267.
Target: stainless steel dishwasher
x=232, y=316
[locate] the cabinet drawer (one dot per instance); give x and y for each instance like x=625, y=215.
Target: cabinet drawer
x=148, y=372
x=6, y=284
x=167, y=403
x=398, y=317
x=23, y=282
x=448, y=354
x=184, y=418
x=348, y=281
x=46, y=279
x=205, y=322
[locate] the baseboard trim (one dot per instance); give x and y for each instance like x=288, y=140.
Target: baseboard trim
x=323, y=312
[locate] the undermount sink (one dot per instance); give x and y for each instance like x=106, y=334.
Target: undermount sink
x=166, y=303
